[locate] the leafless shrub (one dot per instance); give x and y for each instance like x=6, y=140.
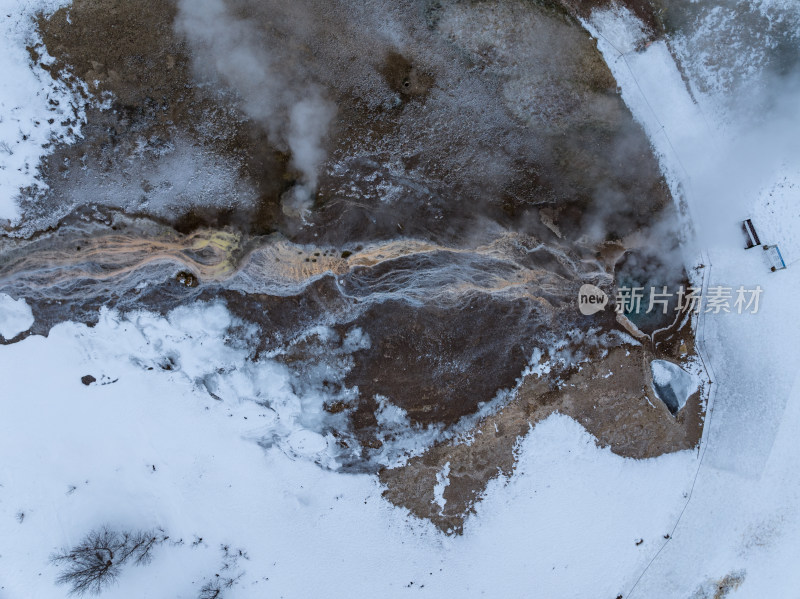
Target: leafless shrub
x=215, y=588
x=96, y=561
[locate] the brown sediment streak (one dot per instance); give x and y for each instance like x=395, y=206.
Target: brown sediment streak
x=394, y=249
x=51, y=260
x=446, y=272
x=283, y=260
x=501, y=247
x=216, y=255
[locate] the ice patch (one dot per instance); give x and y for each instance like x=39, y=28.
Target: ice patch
x=15, y=316
x=537, y=365
x=307, y=443
x=672, y=384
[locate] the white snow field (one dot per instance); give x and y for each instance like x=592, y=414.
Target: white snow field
x=75, y=457
x=140, y=448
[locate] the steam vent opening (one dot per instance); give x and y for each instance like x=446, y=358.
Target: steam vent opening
x=672, y=384
x=647, y=272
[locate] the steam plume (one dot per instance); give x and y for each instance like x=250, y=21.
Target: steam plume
x=292, y=109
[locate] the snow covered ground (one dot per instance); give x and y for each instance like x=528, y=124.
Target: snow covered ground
x=730, y=158
x=33, y=107
x=143, y=446
x=15, y=316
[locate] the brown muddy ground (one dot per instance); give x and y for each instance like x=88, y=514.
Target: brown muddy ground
x=127, y=51
x=442, y=122
x=479, y=168
x=611, y=397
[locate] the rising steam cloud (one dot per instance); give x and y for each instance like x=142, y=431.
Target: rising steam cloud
x=292, y=109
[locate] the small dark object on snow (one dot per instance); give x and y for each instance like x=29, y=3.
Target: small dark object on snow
x=88, y=379
x=750, y=233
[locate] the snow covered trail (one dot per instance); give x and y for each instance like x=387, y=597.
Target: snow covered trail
x=742, y=517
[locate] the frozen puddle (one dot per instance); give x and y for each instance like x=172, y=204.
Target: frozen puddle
x=672, y=384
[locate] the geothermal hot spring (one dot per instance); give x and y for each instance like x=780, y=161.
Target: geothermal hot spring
x=394, y=202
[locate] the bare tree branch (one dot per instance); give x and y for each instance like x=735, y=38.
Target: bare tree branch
x=95, y=562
